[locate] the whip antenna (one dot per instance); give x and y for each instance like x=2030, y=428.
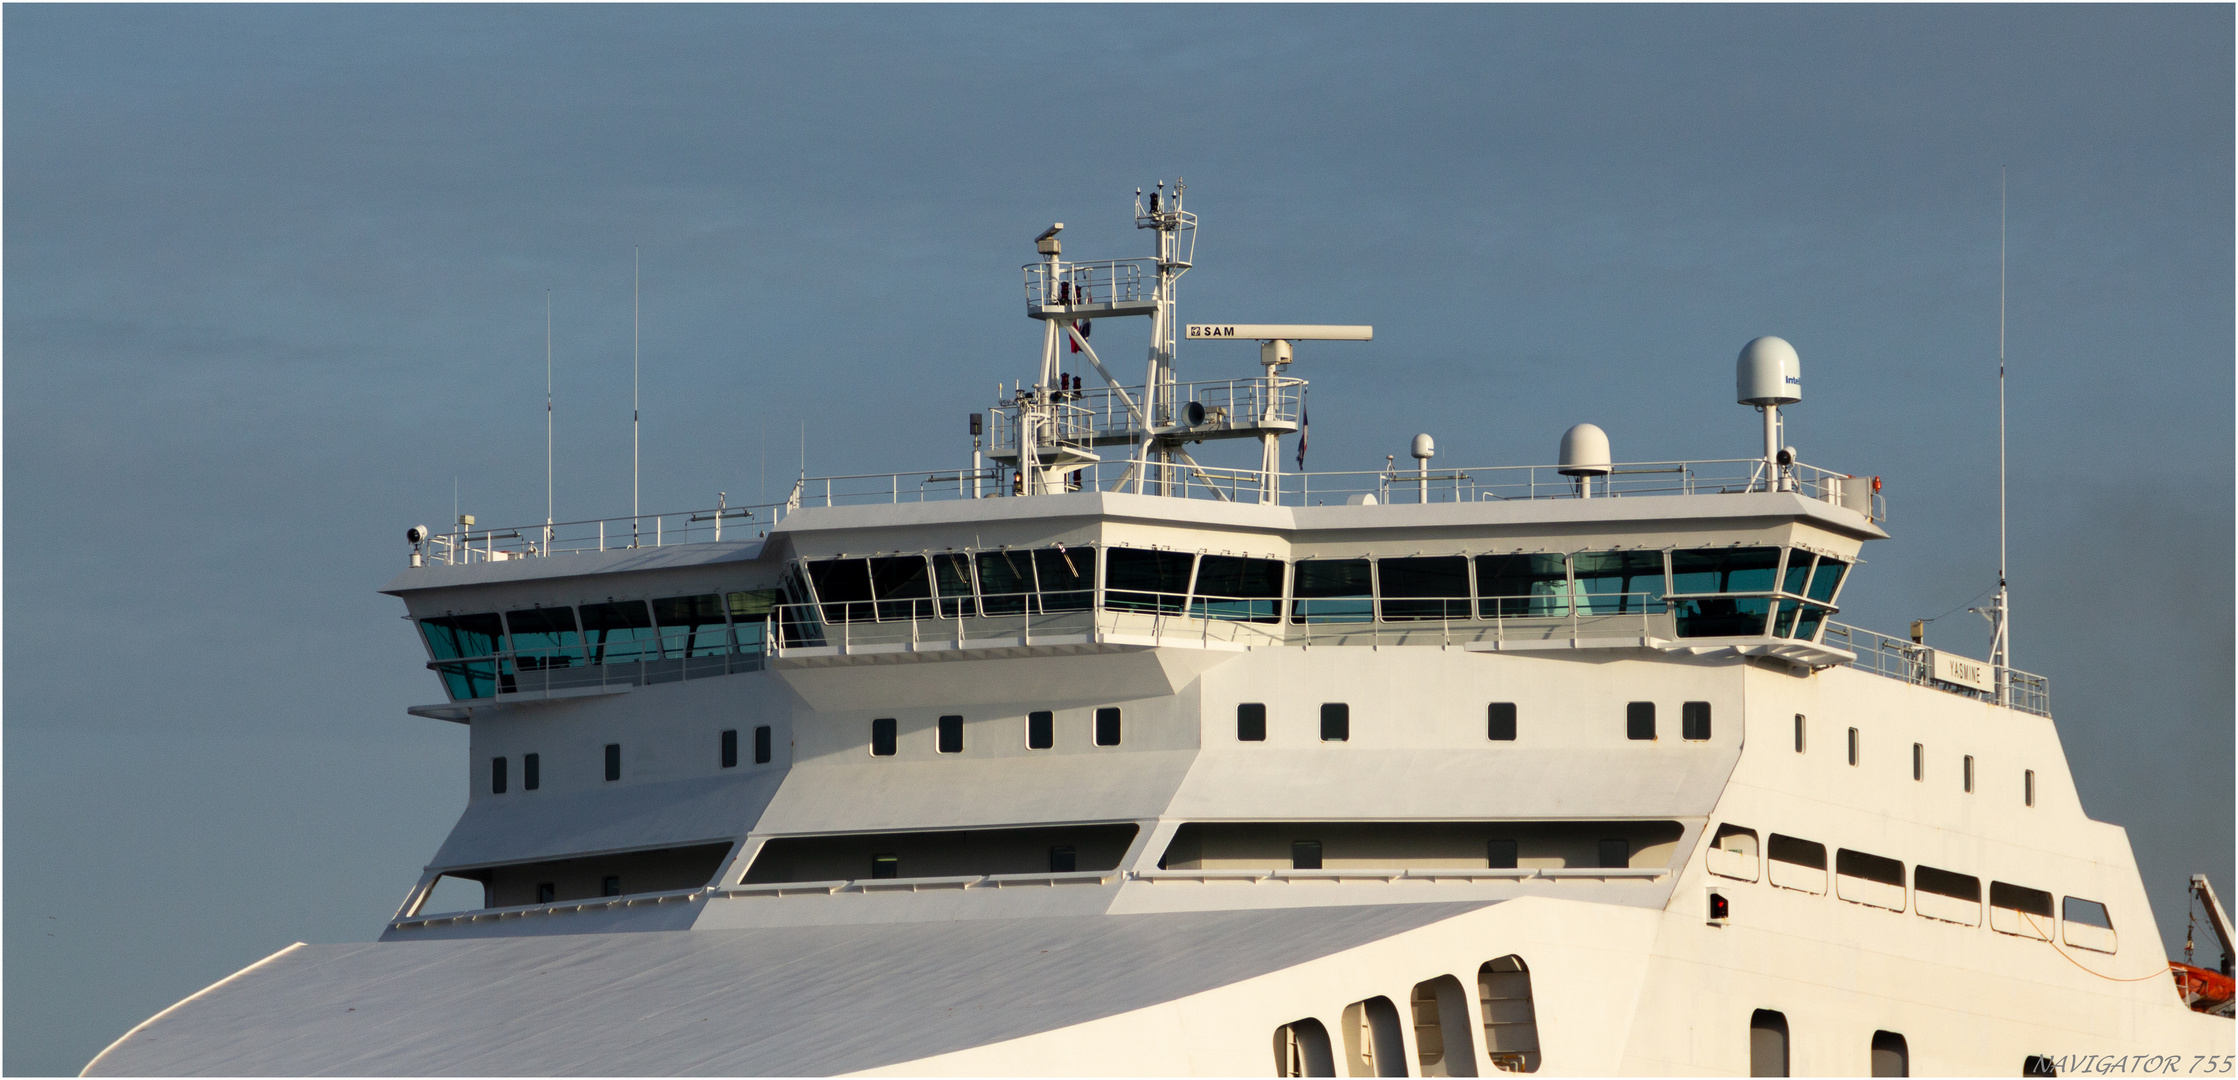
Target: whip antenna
x=2000, y=646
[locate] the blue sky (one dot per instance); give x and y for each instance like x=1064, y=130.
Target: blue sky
x=276, y=281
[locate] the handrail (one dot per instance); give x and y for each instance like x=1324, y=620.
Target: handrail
x=1907, y=661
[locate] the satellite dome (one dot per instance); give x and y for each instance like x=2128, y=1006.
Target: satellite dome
x=1585, y=451
x=1769, y=373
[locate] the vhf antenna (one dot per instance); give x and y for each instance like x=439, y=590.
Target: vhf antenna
x=547, y=421
x=637, y=273
x=2000, y=648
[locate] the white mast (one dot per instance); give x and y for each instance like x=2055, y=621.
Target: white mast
x=2000, y=645
x=636, y=274
x=547, y=421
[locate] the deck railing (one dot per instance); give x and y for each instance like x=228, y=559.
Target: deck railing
x=1903, y=660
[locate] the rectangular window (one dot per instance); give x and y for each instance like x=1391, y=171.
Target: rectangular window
x=1919, y=761
x=1006, y=581
x=1238, y=589
x=1333, y=591
x=1802, y=733
x=1068, y=578
x=1499, y=854
x=1140, y=580
x=1853, y=746
x=613, y=761
x=882, y=737
x=1947, y=896
x=730, y=749
x=1041, y=730
x=1969, y=782
x=1615, y=854
x=885, y=866
x=2085, y=924
x=532, y=772
x=692, y=626
x=1796, y=864
x=951, y=735
x=1725, y=570
x=1694, y=720
x=1519, y=586
x=1619, y=582
x=545, y=892
x=497, y=776
x=901, y=588
x=1251, y=723
x=611, y=885
x=1426, y=587
x=952, y=576
x=1107, y=727
x=1063, y=859
x=1639, y=720
x=1499, y=721
x=620, y=632
x=2028, y=787
x=842, y=587
x=1305, y=855
x=1869, y=879
x=1732, y=853
x=750, y=612
x=761, y=745
x=544, y=638
x=456, y=637
x=1336, y=722
x=2019, y=910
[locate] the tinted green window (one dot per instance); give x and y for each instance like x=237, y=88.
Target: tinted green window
x=692, y=626
x=749, y=617
x=1807, y=623
x=1138, y=580
x=1798, y=572
x=843, y=588
x=1231, y=587
x=902, y=588
x=1430, y=587
x=1515, y=586
x=1068, y=578
x=620, y=633
x=952, y=576
x=1724, y=570
x=1333, y=590
x=1827, y=580
x=1619, y=582
x=544, y=638
x=451, y=637
x=1006, y=581
x=1785, y=616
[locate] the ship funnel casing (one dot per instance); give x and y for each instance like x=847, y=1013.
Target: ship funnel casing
x=1769, y=373
x=1585, y=451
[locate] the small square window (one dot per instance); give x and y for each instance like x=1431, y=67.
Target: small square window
x=1694, y=720
x=1336, y=722
x=532, y=771
x=1616, y=854
x=1107, y=727
x=613, y=761
x=610, y=886
x=545, y=892
x=951, y=735
x=730, y=749
x=497, y=776
x=1305, y=855
x=1062, y=859
x=761, y=745
x=1041, y=730
x=885, y=866
x=1499, y=854
x=1499, y=721
x=1251, y=723
x=882, y=737
x=1639, y=720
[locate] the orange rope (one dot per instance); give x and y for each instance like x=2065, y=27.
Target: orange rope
x=2163, y=974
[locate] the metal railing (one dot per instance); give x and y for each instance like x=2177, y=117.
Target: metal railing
x=1901, y=659
x=1105, y=415
x=1083, y=283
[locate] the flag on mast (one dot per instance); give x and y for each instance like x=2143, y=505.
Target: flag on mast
x=1305, y=419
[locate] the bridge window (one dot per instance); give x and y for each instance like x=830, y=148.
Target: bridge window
x=543, y=638
x=1136, y=579
x=1511, y=1021
x=1333, y=591
x=1107, y=727
x=1728, y=570
x=842, y=588
x=1041, y=730
x=1237, y=588
x=882, y=737
x=1517, y=586
x=1336, y=722
x=692, y=626
x=901, y=588
x=1068, y=578
x=1767, y=1043
x=1301, y=1048
x=952, y=577
x=951, y=736
x=1619, y=582
x=1251, y=723
x=1947, y=896
x=620, y=632
x=1499, y=721
x=455, y=637
x=1006, y=582
x=1428, y=587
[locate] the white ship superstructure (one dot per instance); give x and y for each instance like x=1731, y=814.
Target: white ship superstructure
x=1093, y=758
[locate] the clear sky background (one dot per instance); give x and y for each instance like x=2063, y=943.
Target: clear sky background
x=276, y=280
